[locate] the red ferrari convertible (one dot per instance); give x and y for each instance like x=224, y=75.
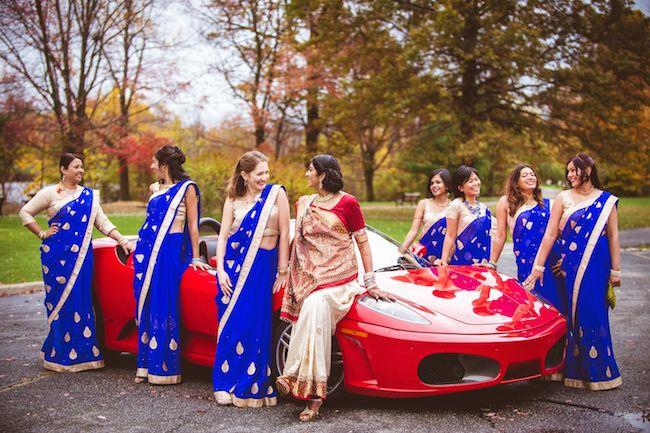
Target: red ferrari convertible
x=452, y=329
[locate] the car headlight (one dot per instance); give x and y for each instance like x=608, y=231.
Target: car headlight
x=392, y=309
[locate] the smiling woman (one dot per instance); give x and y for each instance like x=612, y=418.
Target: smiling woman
x=67, y=263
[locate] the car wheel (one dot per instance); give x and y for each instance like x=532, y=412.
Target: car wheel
x=281, y=339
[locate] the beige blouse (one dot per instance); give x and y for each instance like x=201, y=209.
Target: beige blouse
x=569, y=205
x=241, y=208
x=52, y=200
x=430, y=216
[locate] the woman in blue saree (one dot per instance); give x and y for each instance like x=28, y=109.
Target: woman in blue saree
x=430, y=217
x=586, y=220
x=252, y=261
x=67, y=263
x=469, y=223
x=525, y=212
x=167, y=243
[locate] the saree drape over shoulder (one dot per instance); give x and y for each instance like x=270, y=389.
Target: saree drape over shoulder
x=160, y=259
x=321, y=289
x=587, y=261
x=242, y=371
x=528, y=228
x=474, y=241
x=67, y=264
x=433, y=234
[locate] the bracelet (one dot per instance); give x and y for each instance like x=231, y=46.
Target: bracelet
x=369, y=280
x=539, y=268
x=283, y=270
x=401, y=249
x=122, y=241
x=42, y=234
x=198, y=260
x=615, y=273
x=491, y=263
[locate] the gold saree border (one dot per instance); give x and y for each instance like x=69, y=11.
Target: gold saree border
x=73, y=368
x=250, y=256
x=85, y=244
x=305, y=389
x=594, y=386
x=591, y=245
x=163, y=229
x=555, y=377
x=154, y=379
x=248, y=402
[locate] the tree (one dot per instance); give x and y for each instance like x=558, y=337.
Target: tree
x=58, y=49
x=251, y=34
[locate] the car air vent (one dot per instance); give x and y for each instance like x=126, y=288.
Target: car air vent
x=555, y=356
x=452, y=368
x=519, y=370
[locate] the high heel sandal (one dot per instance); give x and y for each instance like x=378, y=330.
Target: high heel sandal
x=282, y=385
x=308, y=414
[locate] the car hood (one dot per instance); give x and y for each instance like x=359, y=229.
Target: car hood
x=467, y=298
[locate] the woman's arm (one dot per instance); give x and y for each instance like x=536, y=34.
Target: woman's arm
x=192, y=206
x=502, y=230
x=415, y=227
x=550, y=236
x=105, y=226
x=226, y=223
x=282, y=202
x=369, y=275
x=36, y=205
x=614, y=247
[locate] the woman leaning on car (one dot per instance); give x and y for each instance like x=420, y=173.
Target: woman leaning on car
x=168, y=242
x=67, y=263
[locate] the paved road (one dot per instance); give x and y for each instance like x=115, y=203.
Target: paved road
x=34, y=400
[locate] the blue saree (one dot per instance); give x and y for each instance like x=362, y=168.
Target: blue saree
x=473, y=245
x=528, y=230
x=433, y=239
x=590, y=359
x=242, y=372
x=67, y=263
x=160, y=259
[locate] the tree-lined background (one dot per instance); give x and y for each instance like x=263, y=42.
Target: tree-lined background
x=393, y=88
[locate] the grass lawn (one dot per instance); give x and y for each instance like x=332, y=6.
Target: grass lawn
x=20, y=258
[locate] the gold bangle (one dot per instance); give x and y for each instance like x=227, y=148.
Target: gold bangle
x=284, y=270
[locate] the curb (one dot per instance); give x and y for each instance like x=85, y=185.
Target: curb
x=20, y=289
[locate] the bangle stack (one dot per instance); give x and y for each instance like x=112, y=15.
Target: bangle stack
x=539, y=268
x=492, y=264
x=369, y=281
x=122, y=241
x=283, y=270
x=615, y=273
x=198, y=260
x=42, y=234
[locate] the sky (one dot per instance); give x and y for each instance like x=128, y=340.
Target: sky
x=208, y=99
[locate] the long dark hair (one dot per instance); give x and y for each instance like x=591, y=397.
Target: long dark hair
x=582, y=162
x=333, y=181
x=247, y=163
x=173, y=157
x=514, y=195
x=66, y=159
x=462, y=175
x=446, y=180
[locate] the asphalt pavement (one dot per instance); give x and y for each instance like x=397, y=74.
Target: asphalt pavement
x=35, y=400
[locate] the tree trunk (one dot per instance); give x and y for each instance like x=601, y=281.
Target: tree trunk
x=368, y=165
x=469, y=71
x=125, y=193
x=312, y=130
x=260, y=136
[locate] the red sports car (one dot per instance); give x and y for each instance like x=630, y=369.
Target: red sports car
x=452, y=329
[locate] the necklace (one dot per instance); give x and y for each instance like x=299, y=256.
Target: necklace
x=324, y=199
x=62, y=187
x=584, y=193
x=474, y=209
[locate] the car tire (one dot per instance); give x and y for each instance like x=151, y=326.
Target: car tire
x=281, y=339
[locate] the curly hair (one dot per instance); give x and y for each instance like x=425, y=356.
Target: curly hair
x=514, y=195
x=174, y=158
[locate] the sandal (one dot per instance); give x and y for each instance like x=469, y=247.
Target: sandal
x=139, y=379
x=282, y=386
x=308, y=414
